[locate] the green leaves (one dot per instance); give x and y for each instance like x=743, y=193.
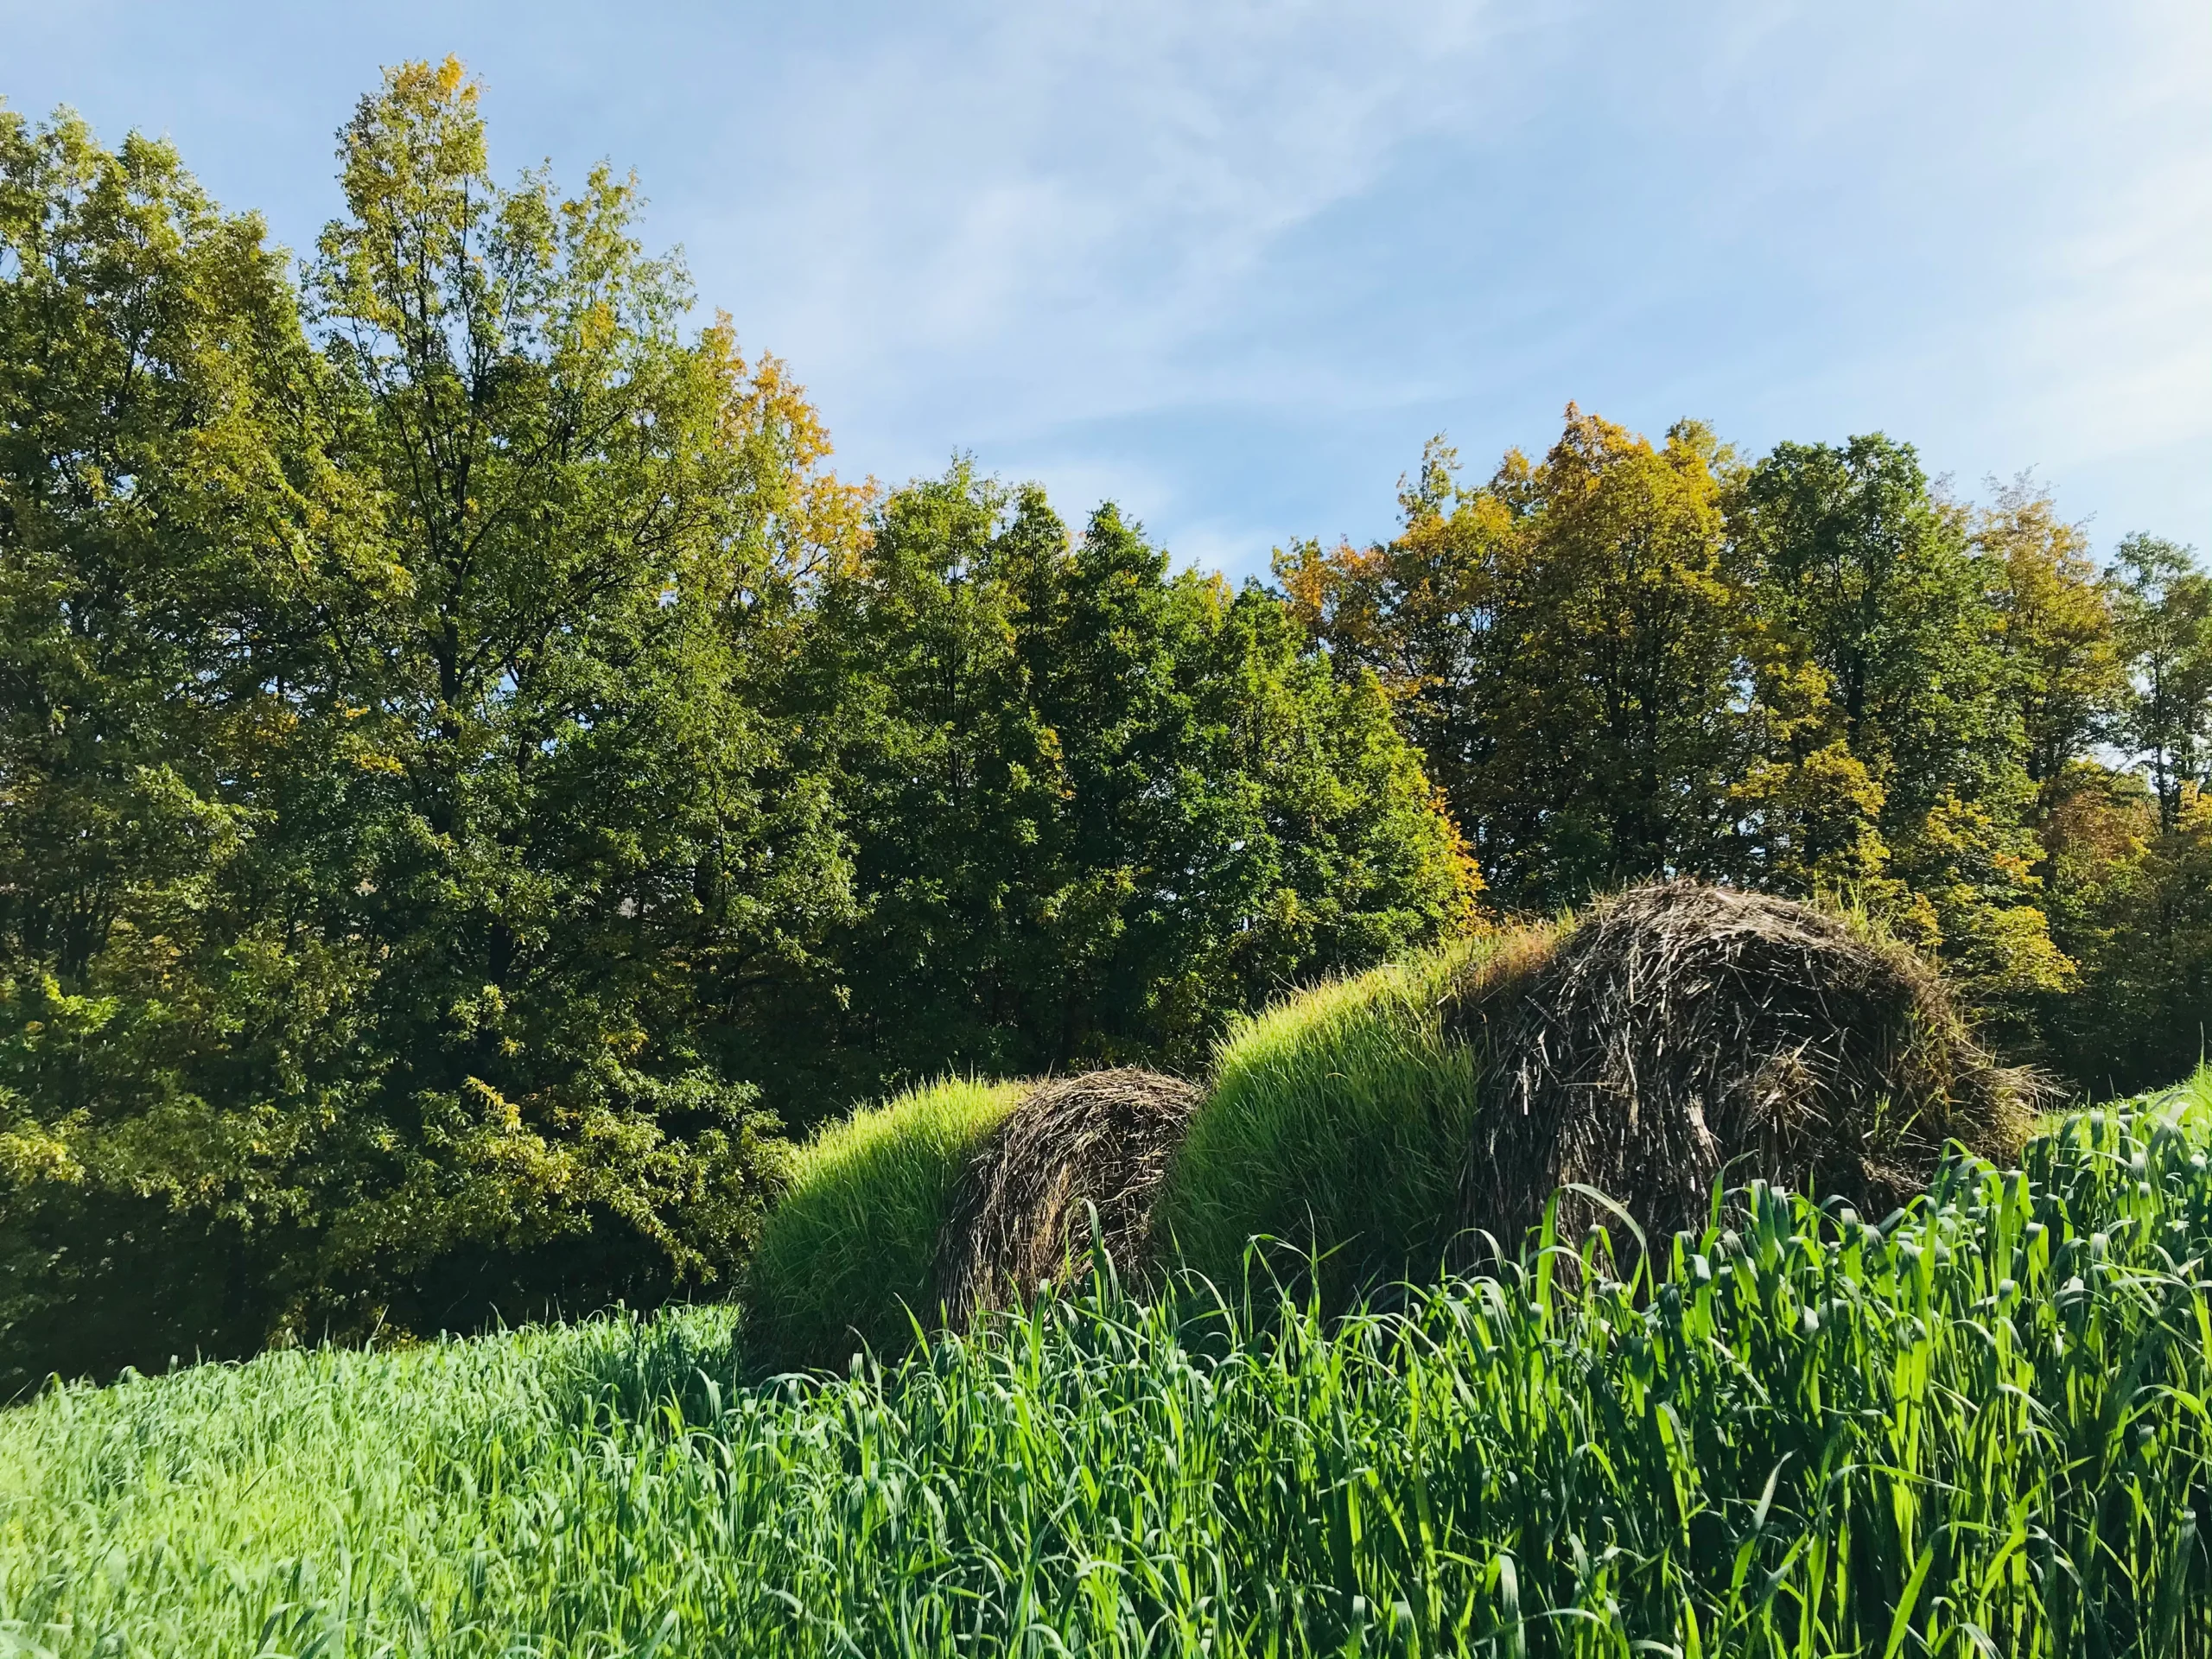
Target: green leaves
x=466, y=756
x=385, y=745
x=1095, y=806
x=1813, y=674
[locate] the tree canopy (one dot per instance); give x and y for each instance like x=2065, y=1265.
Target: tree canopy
x=1816, y=674
x=469, y=772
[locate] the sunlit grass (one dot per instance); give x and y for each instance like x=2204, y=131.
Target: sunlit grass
x=1979, y=1428
x=1336, y=1121
x=845, y=1259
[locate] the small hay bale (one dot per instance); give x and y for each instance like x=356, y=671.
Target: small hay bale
x=1681, y=1034
x=1021, y=1211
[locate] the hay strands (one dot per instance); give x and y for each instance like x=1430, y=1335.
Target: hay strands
x=1020, y=1215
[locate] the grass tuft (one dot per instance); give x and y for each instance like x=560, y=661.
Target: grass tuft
x=846, y=1259
x=1336, y=1123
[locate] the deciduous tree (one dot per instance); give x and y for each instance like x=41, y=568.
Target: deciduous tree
x=1096, y=805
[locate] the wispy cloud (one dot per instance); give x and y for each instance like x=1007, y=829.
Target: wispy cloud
x=1061, y=203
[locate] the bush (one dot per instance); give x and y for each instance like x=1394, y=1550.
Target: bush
x=846, y=1260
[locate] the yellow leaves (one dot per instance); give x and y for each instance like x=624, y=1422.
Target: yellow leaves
x=480, y=1010
x=1817, y=818
x=773, y=439
x=597, y=327
x=1307, y=577
x=1597, y=460
x=31, y=1153
x=425, y=119
x=1954, y=830
x=2054, y=609
x=451, y=79
x=2095, y=819
x=1467, y=885
x=420, y=84
x=498, y=1111
x=1977, y=880
x=1341, y=594
x=363, y=743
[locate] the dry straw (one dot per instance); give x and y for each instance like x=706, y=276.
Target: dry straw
x=1021, y=1212
x=1681, y=1034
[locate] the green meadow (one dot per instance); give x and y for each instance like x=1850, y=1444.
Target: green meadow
x=1978, y=1426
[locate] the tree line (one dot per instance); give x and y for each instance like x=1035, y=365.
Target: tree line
x=1816, y=674
x=473, y=777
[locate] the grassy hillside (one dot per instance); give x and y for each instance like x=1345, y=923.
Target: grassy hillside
x=1978, y=1428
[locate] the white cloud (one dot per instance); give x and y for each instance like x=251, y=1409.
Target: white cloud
x=1055, y=202
x=2118, y=355
x=1231, y=261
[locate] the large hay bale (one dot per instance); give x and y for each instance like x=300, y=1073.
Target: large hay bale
x=1680, y=1034
x=1021, y=1211
x=1334, y=1130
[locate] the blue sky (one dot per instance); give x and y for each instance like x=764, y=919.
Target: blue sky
x=1231, y=263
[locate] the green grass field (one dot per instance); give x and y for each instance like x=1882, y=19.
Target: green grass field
x=1979, y=1428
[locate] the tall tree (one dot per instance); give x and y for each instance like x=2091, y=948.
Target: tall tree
x=2164, y=609
x=1096, y=805
x=583, y=521
x=159, y=476
x=2056, y=636
x=2130, y=883
x=1886, y=679
x=1622, y=721
x=576, y=833
x=399, y=710
x=1863, y=575
x=1566, y=645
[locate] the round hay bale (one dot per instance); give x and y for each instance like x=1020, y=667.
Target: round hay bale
x=1021, y=1211
x=1681, y=1033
